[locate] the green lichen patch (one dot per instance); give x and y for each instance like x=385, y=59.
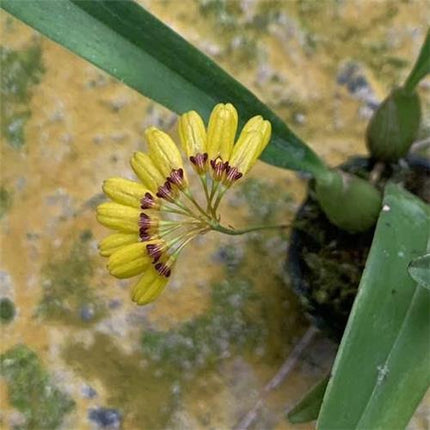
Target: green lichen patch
x=243, y=318
x=143, y=392
x=378, y=57
x=224, y=12
x=67, y=295
x=21, y=70
x=224, y=328
x=238, y=34
x=5, y=201
x=7, y=310
x=31, y=390
x=264, y=200
x=261, y=258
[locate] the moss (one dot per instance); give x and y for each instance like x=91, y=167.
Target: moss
x=66, y=285
x=226, y=326
x=21, y=70
x=144, y=394
x=7, y=310
x=31, y=390
x=325, y=262
x=5, y=201
x=326, y=265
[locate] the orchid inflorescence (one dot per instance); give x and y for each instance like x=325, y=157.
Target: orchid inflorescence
x=156, y=218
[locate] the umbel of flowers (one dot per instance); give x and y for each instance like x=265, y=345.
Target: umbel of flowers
x=154, y=219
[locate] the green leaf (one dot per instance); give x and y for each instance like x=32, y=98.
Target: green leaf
x=308, y=408
x=382, y=367
x=129, y=43
x=421, y=67
x=419, y=270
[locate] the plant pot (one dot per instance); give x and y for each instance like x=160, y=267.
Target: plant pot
x=324, y=262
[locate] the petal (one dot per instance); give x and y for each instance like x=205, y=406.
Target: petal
x=222, y=131
x=114, y=242
x=246, y=151
x=149, y=287
x=124, y=191
x=266, y=129
x=146, y=171
x=253, y=124
x=163, y=151
x=192, y=133
x=118, y=217
x=257, y=123
x=128, y=261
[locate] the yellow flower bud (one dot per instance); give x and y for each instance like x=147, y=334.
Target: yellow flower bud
x=129, y=261
x=116, y=241
x=266, y=129
x=222, y=131
x=257, y=123
x=246, y=151
x=163, y=151
x=149, y=287
x=192, y=133
x=124, y=191
x=253, y=124
x=146, y=171
x=118, y=217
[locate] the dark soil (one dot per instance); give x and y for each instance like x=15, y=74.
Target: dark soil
x=325, y=263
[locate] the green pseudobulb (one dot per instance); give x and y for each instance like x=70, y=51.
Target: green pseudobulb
x=349, y=202
x=394, y=126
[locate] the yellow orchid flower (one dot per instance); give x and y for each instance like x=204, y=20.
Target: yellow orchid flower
x=156, y=218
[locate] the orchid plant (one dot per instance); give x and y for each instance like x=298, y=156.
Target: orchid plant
x=382, y=350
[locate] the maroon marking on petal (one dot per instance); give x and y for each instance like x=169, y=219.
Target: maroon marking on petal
x=144, y=234
x=219, y=168
x=154, y=251
x=147, y=201
x=145, y=221
x=163, y=192
x=166, y=192
x=177, y=178
x=233, y=175
x=199, y=161
x=163, y=269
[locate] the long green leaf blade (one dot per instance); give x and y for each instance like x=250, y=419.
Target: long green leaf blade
x=308, y=408
x=382, y=368
x=129, y=43
x=419, y=270
x=421, y=67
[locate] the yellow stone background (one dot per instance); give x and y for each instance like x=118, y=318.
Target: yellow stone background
x=80, y=133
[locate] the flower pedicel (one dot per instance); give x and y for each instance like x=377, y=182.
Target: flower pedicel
x=156, y=218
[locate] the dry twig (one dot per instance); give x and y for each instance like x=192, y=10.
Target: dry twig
x=277, y=380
